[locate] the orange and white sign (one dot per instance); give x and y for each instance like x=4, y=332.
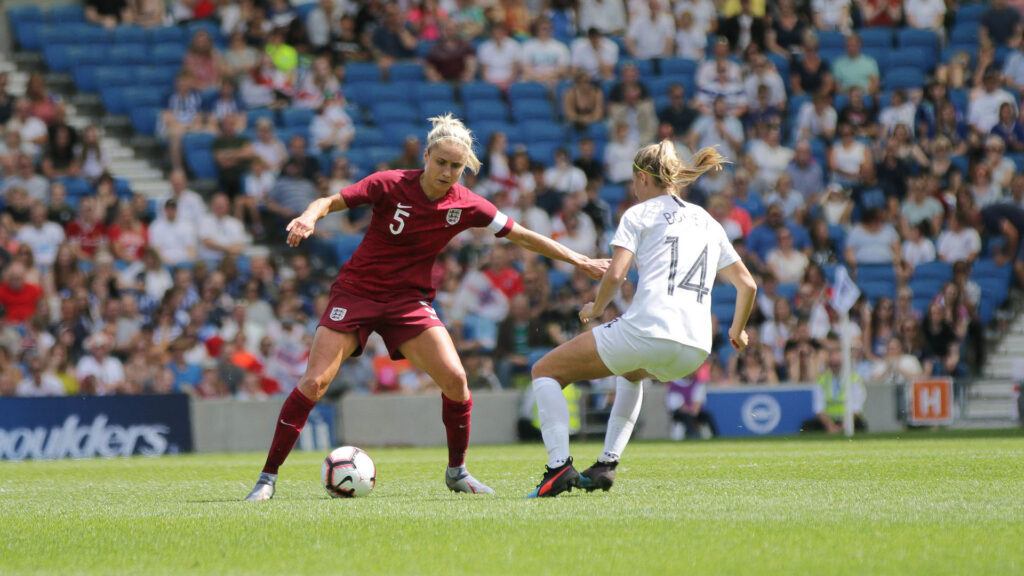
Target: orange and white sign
x=931, y=401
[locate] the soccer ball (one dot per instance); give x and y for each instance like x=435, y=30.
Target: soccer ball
x=348, y=472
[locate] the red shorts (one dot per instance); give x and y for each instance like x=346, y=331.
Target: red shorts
x=396, y=322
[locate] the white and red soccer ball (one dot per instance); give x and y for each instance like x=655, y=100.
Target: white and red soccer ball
x=348, y=472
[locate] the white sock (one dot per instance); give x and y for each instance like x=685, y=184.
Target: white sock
x=553, y=411
x=625, y=410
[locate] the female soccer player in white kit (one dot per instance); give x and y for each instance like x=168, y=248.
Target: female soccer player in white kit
x=666, y=331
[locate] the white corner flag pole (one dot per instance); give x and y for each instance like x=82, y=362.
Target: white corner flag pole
x=847, y=368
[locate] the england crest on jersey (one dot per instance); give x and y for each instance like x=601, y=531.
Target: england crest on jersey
x=454, y=214
x=338, y=314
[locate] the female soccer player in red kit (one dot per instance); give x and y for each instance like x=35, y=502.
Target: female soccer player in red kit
x=386, y=288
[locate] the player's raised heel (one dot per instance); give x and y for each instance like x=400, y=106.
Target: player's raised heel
x=264, y=489
x=600, y=476
x=557, y=480
x=459, y=480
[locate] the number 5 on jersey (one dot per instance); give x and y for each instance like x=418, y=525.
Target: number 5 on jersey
x=400, y=213
x=700, y=266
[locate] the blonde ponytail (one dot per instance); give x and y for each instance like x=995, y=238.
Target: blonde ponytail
x=661, y=161
x=448, y=127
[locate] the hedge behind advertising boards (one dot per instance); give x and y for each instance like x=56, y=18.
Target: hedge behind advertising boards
x=87, y=426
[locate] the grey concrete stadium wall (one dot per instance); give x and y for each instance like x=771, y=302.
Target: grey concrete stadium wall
x=244, y=426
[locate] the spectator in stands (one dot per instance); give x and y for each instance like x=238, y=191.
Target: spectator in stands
x=983, y=111
x=817, y=119
x=232, y=154
x=586, y=160
x=332, y=129
x=763, y=73
x=896, y=366
x=41, y=235
x=563, y=177
x=725, y=87
x=745, y=29
x=1009, y=128
x=127, y=236
x=108, y=13
x=786, y=33
x=982, y=188
x=203, y=63
x=470, y=19
x=97, y=370
x=15, y=213
x=392, y=40
x=832, y=15
x=6, y=99
x=691, y=41
x=191, y=207
x=618, y=155
x=220, y=234
x=961, y=242
x=718, y=128
x=317, y=85
x=1001, y=167
x=411, y=157
x=39, y=382
x=346, y=43
x=830, y=397
x=678, y=112
x=42, y=103
x=19, y=298
x=289, y=197
x=856, y=68
x=873, y=241
x=786, y=262
x=920, y=207
x=283, y=55
x=89, y=155
x=941, y=343
x=637, y=113
x=707, y=72
x=595, y=55
x=87, y=232
x=320, y=22
x=650, y=35
x=849, y=158
x=810, y=74
x=604, y=16
x=451, y=59
x=771, y=155
x=267, y=146
x=32, y=130
x=174, y=237
x=426, y=19
x=26, y=179
x=806, y=173
x=184, y=113
x=545, y=59
x=500, y=58
x=1000, y=23
x=240, y=59
x=925, y=14
x=881, y=13
x=762, y=239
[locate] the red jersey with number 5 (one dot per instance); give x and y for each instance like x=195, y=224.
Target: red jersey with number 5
x=407, y=231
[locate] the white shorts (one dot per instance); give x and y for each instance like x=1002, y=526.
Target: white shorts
x=624, y=349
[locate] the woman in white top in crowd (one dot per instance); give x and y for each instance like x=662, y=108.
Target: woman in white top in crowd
x=666, y=331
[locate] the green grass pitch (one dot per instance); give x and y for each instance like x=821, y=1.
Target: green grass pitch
x=915, y=504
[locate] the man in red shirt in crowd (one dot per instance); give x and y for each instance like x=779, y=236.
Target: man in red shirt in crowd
x=18, y=297
x=87, y=232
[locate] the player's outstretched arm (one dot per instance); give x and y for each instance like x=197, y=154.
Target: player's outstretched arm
x=594, y=267
x=746, y=289
x=611, y=282
x=302, y=227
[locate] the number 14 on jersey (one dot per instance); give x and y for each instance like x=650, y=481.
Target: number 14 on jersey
x=698, y=267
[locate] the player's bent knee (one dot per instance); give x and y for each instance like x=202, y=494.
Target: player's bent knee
x=314, y=386
x=454, y=384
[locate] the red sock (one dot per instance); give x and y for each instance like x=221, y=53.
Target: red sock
x=456, y=417
x=295, y=412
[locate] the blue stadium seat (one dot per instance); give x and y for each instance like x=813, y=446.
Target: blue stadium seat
x=598, y=131
x=921, y=304
x=433, y=91
x=912, y=57
x=77, y=187
x=58, y=57
x=959, y=98
x=431, y=108
x=303, y=11
x=200, y=163
x=28, y=35
x=129, y=34
x=831, y=40
x=85, y=78
x=292, y=117
x=392, y=92
x=527, y=91
x=936, y=270
x=367, y=136
x=198, y=141
x=383, y=154
x=723, y=312
x=830, y=55
x=876, y=38
x=67, y=13
x=482, y=131
x=113, y=98
x=84, y=55
x=908, y=37
x=345, y=245
x=904, y=79
x=208, y=26
x=645, y=67
x=926, y=287
x=360, y=93
x=395, y=134
x=557, y=279
x=122, y=187
x=542, y=152
x=971, y=12
x=51, y=34
x=254, y=115
x=20, y=14
x=678, y=67
x=168, y=54
x=876, y=273
x=723, y=293
x=486, y=110
x=144, y=119
x=965, y=34
x=406, y=72
x=994, y=289
x=136, y=96
x=362, y=72
x=477, y=91
x=166, y=35
x=876, y=289
x=527, y=110
x=540, y=131
x=613, y=193
x=987, y=268
x=128, y=54
x=157, y=75
x=82, y=33
x=386, y=113
x=788, y=291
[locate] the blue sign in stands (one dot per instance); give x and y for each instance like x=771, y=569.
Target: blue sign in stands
x=760, y=410
x=87, y=426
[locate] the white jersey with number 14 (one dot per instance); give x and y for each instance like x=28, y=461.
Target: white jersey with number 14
x=679, y=249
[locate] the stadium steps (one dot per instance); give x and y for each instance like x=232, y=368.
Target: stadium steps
x=82, y=110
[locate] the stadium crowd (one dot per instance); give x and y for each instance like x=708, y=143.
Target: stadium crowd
x=113, y=294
